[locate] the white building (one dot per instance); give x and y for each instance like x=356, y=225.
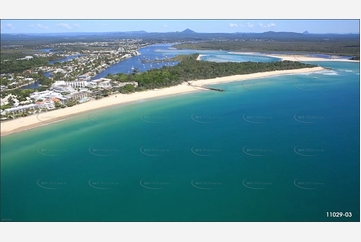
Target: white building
x=28, y=57
x=102, y=83
x=5, y=101
x=46, y=104
x=20, y=109
x=77, y=84
x=80, y=95
x=62, y=86
x=122, y=84
x=46, y=95
x=60, y=70
x=85, y=77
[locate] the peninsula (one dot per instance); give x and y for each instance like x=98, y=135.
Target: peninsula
x=40, y=119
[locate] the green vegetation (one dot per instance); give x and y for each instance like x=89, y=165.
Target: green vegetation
x=21, y=94
x=128, y=88
x=17, y=66
x=71, y=103
x=192, y=69
x=3, y=107
x=58, y=105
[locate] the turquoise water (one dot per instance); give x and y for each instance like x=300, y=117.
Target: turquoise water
x=163, y=52
x=283, y=148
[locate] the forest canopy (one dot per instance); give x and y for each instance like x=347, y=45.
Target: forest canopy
x=190, y=69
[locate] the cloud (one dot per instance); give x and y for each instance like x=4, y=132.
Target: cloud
x=267, y=25
x=42, y=26
x=165, y=25
x=8, y=26
x=64, y=25
x=76, y=25
x=233, y=25
x=250, y=25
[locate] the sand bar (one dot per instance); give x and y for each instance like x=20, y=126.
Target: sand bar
x=41, y=119
x=296, y=57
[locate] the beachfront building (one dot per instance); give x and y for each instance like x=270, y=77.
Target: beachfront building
x=46, y=104
x=104, y=83
x=20, y=109
x=122, y=84
x=48, y=95
x=80, y=95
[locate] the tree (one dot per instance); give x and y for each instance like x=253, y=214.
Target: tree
x=58, y=105
x=11, y=101
x=128, y=88
x=105, y=92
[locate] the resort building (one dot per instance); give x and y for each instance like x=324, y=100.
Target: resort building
x=122, y=84
x=46, y=104
x=62, y=86
x=104, y=83
x=77, y=84
x=79, y=95
x=92, y=84
x=19, y=109
x=47, y=95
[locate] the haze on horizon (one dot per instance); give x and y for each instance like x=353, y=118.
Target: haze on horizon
x=16, y=26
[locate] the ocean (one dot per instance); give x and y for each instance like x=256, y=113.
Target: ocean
x=277, y=149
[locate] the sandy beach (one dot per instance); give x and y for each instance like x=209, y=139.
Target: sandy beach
x=36, y=120
x=308, y=58
x=296, y=57
x=199, y=57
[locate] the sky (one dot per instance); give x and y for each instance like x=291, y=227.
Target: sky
x=340, y=26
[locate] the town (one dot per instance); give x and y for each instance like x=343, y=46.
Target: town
x=69, y=81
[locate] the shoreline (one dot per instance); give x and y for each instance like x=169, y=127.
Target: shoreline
x=199, y=57
x=296, y=57
x=46, y=118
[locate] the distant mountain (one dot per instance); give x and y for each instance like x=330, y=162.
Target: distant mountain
x=185, y=35
x=279, y=35
x=188, y=31
x=135, y=32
